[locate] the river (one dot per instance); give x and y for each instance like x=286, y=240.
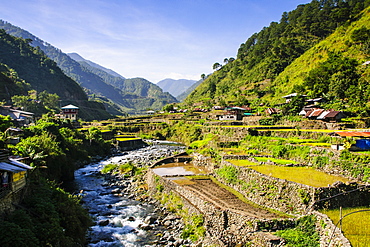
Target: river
x=120, y=219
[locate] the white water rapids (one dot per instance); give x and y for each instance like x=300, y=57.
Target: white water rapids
x=118, y=217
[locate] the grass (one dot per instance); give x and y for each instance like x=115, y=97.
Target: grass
x=242, y=162
x=122, y=139
x=356, y=227
x=240, y=151
x=277, y=161
x=318, y=144
x=302, y=175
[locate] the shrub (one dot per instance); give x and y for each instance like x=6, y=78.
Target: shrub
x=303, y=235
x=228, y=173
x=109, y=168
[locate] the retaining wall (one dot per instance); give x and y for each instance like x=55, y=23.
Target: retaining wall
x=224, y=227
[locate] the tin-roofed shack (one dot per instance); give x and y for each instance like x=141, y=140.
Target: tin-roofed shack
x=363, y=141
x=13, y=177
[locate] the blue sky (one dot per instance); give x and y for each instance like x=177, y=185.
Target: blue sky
x=153, y=39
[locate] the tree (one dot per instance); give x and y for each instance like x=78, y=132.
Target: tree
x=38, y=103
x=49, y=101
x=203, y=76
x=217, y=66
x=168, y=108
x=5, y=122
x=294, y=106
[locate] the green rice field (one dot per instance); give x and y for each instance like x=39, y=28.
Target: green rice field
x=302, y=175
x=356, y=227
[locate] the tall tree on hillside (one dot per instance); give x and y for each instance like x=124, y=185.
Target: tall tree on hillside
x=217, y=66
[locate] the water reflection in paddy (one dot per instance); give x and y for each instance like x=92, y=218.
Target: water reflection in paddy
x=178, y=169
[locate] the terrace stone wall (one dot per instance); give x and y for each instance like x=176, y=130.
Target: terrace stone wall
x=131, y=144
x=282, y=195
x=294, y=198
x=224, y=227
x=228, y=228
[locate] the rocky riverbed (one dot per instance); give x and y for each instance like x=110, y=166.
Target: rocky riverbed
x=122, y=215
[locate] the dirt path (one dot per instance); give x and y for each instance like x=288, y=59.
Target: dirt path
x=210, y=191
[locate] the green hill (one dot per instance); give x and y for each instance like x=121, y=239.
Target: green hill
x=25, y=68
x=279, y=59
x=134, y=95
x=102, y=84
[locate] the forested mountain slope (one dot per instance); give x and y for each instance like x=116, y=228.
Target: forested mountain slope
x=20, y=60
x=99, y=82
x=256, y=75
x=136, y=94
x=336, y=68
x=79, y=59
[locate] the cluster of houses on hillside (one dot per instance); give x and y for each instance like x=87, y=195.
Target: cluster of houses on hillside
x=23, y=118
x=309, y=111
x=13, y=171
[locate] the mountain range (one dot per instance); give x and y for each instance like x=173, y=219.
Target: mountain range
x=24, y=68
x=118, y=94
x=320, y=49
x=175, y=87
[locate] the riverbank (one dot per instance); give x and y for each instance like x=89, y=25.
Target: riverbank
x=123, y=213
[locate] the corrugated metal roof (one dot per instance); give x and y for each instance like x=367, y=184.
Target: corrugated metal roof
x=332, y=114
x=353, y=134
x=10, y=168
x=316, y=112
x=20, y=164
x=323, y=115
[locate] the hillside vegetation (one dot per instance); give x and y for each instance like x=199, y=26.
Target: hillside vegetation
x=317, y=49
x=101, y=84
x=26, y=68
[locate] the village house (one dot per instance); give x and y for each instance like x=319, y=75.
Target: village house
x=13, y=178
x=314, y=113
x=333, y=116
x=234, y=113
x=362, y=139
x=69, y=112
x=271, y=111
x=289, y=97
x=20, y=118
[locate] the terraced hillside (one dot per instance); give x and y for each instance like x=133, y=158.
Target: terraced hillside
x=222, y=198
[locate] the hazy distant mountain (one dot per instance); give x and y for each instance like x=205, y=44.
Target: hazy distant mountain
x=101, y=83
x=136, y=94
x=175, y=87
x=188, y=91
x=78, y=58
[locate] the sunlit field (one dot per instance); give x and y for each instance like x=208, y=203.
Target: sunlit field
x=356, y=227
x=302, y=175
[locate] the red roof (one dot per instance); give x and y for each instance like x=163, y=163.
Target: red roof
x=314, y=113
x=332, y=114
x=353, y=134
